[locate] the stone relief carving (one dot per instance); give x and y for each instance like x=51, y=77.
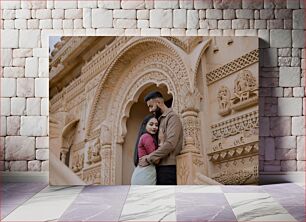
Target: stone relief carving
x=234, y=178
x=235, y=125
x=92, y=175
x=167, y=57
x=93, y=154
x=224, y=102
x=77, y=162
x=232, y=67
x=234, y=152
x=245, y=91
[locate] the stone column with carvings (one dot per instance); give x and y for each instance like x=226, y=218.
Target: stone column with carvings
x=190, y=162
x=106, y=144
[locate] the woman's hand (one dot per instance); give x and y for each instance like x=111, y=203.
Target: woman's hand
x=143, y=161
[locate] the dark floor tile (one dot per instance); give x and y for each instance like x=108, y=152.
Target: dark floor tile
x=298, y=212
x=203, y=207
x=283, y=188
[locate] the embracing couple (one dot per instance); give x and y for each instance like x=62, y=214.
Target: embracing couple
x=159, y=141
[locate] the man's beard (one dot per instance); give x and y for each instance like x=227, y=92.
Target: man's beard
x=157, y=113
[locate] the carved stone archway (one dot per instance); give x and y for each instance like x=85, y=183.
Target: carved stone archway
x=128, y=77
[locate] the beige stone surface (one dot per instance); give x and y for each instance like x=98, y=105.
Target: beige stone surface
x=25, y=87
x=18, y=106
x=179, y=18
x=9, y=38
x=41, y=87
x=66, y=4
x=280, y=126
x=88, y=4
x=20, y=148
x=269, y=147
x=29, y=38
x=5, y=106
x=125, y=23
x=13, y=125
x=192, y=19
x=164, y=4
x=298, y=126
x=213, y=14
x=73, y=13
x=13, y=72
x=34, y=126
x=133, y=4
x=6, y=57
x=285, y=142
x=42, y=142
x=285, y=154
x=124, y=14
x=109, y=4
x=8, y=14
x=58, y=13
x=288, y=165
x=18, y=166
x=299, y=19
x=22, y=53
x=19, y=62
x=3, y=130
x=102, y=18
x=42, y=154
x=280, y=38
x=46, y=24
x=289, y=76
x=290, y=106
x=33, y=106
x=34, y=165
x=43, y=13
x=301, y=148
x=186, y=4
x=2, y=141
x=301, y=165
x=44, y=107
x=160, y=18
x=45, y=165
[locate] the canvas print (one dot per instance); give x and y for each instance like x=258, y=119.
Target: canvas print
x=154, y=110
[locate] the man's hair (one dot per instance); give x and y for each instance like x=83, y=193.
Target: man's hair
x=153, y=95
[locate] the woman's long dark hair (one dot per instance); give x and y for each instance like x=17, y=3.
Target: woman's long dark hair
x=142, y=131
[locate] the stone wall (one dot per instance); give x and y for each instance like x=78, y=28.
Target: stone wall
x=26, y=25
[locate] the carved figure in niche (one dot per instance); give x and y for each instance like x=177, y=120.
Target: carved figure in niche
x=223, y=97
x=78, y=162
x=244, y=84
x=89, y=155
x=96, y=152
x=245, y=90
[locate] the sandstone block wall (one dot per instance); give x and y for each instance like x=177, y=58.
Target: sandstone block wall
x=26, y=25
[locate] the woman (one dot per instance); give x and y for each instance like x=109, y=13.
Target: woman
x=146, y=144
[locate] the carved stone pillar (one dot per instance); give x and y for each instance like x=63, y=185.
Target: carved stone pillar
x=106, y=145
x=190, y=161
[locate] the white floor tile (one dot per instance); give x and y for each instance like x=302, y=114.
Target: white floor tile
x=150, y=203
x=47, y=205
x=257, y=207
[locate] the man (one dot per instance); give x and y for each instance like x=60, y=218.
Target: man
x=170, y=128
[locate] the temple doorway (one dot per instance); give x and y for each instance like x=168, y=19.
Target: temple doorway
x=137, y=113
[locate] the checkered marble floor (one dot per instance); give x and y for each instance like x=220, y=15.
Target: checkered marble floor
x=40, y=202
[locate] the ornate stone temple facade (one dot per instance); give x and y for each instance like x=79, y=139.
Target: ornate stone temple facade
x=97, y=85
